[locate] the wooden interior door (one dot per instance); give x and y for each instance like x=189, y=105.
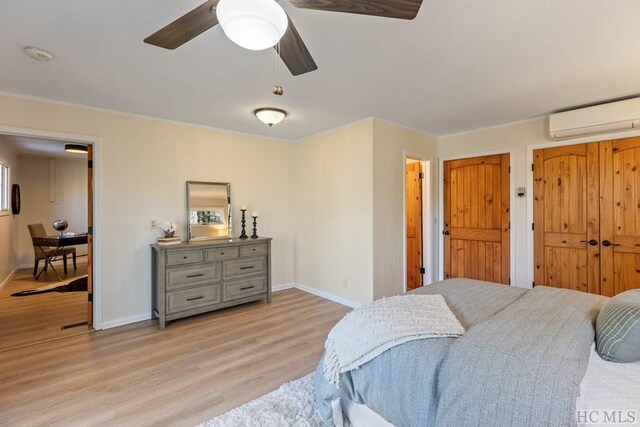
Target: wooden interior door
x=477, y=218
x=566, y=217
x=414, y=225
x=620, y=215
x=90, y=236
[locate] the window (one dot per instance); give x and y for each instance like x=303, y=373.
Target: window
x=4, y=188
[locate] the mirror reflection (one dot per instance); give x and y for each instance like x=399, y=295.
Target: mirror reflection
x=208, y=210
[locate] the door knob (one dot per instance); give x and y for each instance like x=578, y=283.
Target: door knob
x=446, y=232
x=608, y=243
x=592, y=242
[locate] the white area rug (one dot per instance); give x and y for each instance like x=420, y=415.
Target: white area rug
x=292, y=405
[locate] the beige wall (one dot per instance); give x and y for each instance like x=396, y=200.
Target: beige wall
x=8, y=222
x=70, y=183
x=144, y=166
x=516, y=137
x=333, y=211
x=391, y=145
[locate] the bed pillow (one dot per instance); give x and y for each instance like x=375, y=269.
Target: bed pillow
x=618, y=328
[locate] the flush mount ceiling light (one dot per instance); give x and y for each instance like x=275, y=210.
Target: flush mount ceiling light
x=76, y=148
x=270, y=116
x=252, y=24
x=38, y=54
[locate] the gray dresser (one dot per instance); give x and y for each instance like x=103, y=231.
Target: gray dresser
x=196, y=277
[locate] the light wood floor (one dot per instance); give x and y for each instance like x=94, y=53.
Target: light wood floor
x=197, y=368
x=36, y=318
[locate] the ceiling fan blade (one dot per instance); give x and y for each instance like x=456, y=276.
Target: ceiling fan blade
x=186, y=27
x=294, y=53
x=400, y=9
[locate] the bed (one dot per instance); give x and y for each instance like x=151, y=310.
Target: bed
x=527, y=358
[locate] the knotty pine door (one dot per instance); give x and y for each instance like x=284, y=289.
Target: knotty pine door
x=587, y=216
x=477, y=218
x=414, y=225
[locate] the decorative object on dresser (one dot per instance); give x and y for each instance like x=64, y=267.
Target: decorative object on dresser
x=255, y=225
x=243, y=221
x=169, y=228
x=197, y=277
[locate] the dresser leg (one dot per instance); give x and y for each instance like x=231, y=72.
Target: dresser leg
x=161, y=322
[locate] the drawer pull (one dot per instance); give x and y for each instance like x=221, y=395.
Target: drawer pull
x=247, y=287
x=195, y=298
x=184, y=257
x=195, y=275
x=221, y=253
x=247, y=268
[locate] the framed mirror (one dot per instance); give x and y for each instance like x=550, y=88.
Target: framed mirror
x=208, y=210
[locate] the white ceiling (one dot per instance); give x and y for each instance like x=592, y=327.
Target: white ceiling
x=460, y=65
x=39, y=147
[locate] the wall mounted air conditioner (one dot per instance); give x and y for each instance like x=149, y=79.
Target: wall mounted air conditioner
x=617, y=116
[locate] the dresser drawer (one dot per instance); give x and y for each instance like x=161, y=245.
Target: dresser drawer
x=184, y=257
x=244, y=288
x=222, y=253
x=190, y=276
x=244, y=267
x=252, y=250
x=187, y=299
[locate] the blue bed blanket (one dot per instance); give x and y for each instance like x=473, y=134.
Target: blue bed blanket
x=520, y=362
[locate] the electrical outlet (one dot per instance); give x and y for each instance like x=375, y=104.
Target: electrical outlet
x=154, y=224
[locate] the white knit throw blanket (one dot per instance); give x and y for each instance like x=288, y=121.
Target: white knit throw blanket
x=372, y=329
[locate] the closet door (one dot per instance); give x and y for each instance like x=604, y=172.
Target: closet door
x=566, y=217
x=620, y=215
x=477, y=218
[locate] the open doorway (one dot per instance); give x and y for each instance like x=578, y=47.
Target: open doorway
x=48, y=295
x=417, y=231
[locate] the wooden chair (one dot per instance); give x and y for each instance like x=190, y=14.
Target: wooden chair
x=37, y=230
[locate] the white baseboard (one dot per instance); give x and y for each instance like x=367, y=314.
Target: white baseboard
x=282, y=287
x=8, y=278
x=126, y=320
x=317, y=292
x=326, y=295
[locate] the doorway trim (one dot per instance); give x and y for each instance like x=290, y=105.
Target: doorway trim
x=97, y=202
x=427, y=214
x=512, y=190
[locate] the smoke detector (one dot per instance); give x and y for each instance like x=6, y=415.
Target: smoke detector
x=38, y=54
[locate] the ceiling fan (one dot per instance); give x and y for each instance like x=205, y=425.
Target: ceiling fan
x=291, y=48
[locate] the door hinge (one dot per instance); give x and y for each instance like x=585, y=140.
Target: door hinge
x=533, y=284
x=421, y=175
x=90, y=230
x=532, y=167
x=90, y=297
x=509, y=281
x=422, y=270
x=509, y=169
x=90, y=164
x=533, y=226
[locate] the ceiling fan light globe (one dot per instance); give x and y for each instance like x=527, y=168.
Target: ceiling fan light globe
x=252, y=24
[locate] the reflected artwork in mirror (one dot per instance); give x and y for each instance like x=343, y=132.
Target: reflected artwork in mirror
x=208, y=210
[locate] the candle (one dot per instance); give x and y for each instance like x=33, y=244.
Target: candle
x=243, y=207
x=255, y=214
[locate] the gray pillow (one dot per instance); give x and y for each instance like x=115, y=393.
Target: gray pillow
x=618, y=328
